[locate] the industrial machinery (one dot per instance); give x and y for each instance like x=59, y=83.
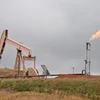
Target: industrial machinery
x=87, y=61
x=45, y=70
x=19, y=58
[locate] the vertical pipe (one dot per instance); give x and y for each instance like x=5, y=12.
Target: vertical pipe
x=89, y=58
x=87, y=61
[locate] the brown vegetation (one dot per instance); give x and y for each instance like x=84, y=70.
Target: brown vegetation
x=77, y=76
x=35, y=96
x=7, y=72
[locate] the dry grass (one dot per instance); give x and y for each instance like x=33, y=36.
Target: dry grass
x=35, y=96
x=7, y=72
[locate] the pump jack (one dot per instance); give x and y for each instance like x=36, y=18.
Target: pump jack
x=19, y=58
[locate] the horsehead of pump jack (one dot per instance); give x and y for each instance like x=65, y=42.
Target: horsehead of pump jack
x=20, y=48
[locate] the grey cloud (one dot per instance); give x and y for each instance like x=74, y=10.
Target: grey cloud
x=55, y=30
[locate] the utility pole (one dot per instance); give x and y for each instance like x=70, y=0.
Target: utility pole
x=73, y=69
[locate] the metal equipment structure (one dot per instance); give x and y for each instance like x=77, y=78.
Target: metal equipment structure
x=19, y=58
x=87, y=61
x=45, y=70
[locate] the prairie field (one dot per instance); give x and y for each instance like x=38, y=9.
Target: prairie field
x=35, y=96
x=47, y=89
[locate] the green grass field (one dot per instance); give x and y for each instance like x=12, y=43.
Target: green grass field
x=64, y=87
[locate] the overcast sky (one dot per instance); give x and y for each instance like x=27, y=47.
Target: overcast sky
x=55, y=30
